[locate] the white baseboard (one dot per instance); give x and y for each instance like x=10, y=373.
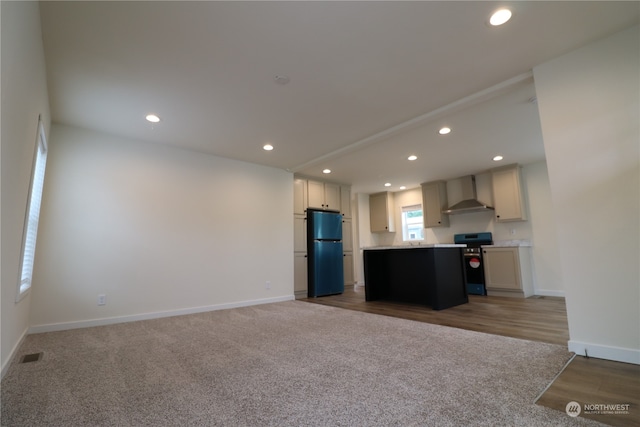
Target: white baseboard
x=617, y=354
x=548, y=293
x=52, y=327
x=12, y=355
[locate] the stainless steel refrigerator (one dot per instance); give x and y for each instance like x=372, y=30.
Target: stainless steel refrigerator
x=324, y=247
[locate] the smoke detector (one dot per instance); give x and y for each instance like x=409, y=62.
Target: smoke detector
x=282, y=79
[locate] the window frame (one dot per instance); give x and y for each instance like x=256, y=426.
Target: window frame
x=405, y=229
x=32, y=214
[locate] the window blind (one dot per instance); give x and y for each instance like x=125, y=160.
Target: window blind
x=33, y=212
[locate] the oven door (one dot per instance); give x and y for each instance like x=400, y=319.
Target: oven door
x=475, y=273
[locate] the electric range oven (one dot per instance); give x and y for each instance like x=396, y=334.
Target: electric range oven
x=473, y=263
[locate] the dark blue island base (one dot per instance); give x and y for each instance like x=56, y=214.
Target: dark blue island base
x=431, y=276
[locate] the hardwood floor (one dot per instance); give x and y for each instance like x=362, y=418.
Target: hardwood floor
x=597, y=382
x=586, y=381
x=536, y=319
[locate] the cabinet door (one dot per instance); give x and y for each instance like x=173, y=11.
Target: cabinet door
x=502, y=268
x=380, y=213
x=348, y=269
x=331, y=196
x=299, y=196
x=300, y=233
x=315, y=194
x=345, y=201
x=507, y=194
x=347, y=236
x=300, y=274
x=434, y=201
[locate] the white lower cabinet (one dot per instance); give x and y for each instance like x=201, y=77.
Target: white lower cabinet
x=347, y=237
x=347, y=248
x=348, y=269
x=299, y=233
x=300, y=275
x=507, y=271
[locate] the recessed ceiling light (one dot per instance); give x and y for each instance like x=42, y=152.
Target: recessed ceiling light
x=412, y=158
x=267, y=147
x=326, y=171
x=444, y=131
x=499, y=17
x=152, y=118
x=402, y=187
x=497, y=158
x=388, y=184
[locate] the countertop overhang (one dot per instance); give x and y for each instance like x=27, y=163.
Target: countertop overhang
x=427, y=246
x=496, y=244
x=509, y=244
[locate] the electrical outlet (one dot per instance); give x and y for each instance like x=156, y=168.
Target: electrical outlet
x=102, y=299
x=267, y=284
x=513, y=231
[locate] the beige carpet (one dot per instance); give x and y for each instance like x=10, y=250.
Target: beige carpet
x=283, y=364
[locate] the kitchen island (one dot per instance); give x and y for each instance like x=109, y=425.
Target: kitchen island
x=432, y=275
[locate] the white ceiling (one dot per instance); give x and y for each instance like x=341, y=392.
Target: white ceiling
x=370, y=82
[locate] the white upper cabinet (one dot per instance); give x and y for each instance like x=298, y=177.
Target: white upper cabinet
x=508, y=196
x=323, y=195
x=299, y=196
x=332, y=196
x=434, y=201
x=315, y=194
x=381, y=212
x=345, y=201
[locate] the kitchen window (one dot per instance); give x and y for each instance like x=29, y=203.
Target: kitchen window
x=32, y=214
x=412, y=223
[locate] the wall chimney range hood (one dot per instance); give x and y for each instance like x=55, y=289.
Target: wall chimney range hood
x=470, y=201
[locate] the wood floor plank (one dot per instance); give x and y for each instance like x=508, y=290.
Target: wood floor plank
x=590, y=381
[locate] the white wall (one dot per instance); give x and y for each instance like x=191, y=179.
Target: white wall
x=545, y=259
x=589, y=111
x=24, y=97
x=158, y=230
x=539, y=228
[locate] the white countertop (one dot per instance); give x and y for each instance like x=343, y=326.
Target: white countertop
x=421, y=246
x=509, y=244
